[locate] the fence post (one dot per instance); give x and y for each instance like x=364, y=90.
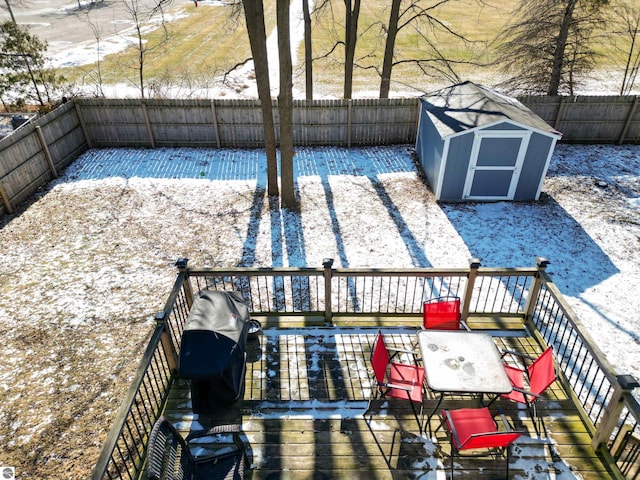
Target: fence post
x=349, y=103
x=167, y=344
x=181, y=263
x=534, y=289
x=474, y=265
x=147, y=122
x=83, y=123
x=5, y=200
x=627, y=122
x=327, y=263
x=559, y=113
x=216, y=130
x=624, y=385
x=47, y=153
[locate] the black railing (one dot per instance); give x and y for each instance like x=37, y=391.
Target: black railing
x=123, y=454
x=605, y=397
x=610, y=410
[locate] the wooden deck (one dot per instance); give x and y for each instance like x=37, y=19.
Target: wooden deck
x=306, y=392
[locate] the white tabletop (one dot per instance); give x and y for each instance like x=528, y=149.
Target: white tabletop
x=462, y=362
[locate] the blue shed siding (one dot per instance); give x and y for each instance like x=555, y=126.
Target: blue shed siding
x=533, y=167
x=429, y=147
x=456, y=168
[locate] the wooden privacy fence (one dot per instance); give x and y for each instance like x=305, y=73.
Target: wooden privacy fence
x=35, y=153
x=609, y=409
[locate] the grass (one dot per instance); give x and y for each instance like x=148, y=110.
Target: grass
x=197, y=48
x=208, y=41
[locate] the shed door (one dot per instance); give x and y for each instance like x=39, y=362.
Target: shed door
x=495, y=164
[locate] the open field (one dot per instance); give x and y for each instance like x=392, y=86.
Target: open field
x=208, y=41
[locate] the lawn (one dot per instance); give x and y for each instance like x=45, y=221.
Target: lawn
x=206, y=42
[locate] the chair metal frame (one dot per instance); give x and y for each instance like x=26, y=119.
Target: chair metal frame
x=169, y=456
x=539, y=372
x=476, y=429
x=395, y=379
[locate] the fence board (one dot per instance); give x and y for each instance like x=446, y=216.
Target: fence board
x=114, y=123
x=23, y=165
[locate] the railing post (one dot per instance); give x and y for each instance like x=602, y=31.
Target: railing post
x=327, y=263
x=181, y=263
x=624, y=385
x=474, y=265
x=534, y=289
x=167, y=344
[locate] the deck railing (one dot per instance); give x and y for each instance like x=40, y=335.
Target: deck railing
x=123, y=454
x=610, y=410
x=605, y=396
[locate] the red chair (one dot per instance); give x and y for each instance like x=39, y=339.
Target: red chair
x=442, y=313
x=539, y=376
x=395, y=379
x=474, y=429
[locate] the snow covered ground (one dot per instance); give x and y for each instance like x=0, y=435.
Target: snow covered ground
x=84, y=268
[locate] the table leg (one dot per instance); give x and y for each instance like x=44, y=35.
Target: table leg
x=435, y=409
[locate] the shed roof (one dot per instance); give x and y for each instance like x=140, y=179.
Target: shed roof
x=467, y=106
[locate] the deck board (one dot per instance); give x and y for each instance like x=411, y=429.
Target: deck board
x=308, y=388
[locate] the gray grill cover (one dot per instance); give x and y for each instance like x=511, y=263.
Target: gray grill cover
x=214, y=339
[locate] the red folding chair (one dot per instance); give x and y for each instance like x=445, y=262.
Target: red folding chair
x=395, y=379
x=442, y=313
x=475, y=429
x=539, y=375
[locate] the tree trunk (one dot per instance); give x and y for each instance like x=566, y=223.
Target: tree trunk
x=308, y=54
x=352, y=12
x=285, y=106
x=254, y=18
x=560, y=47
x=13, y=19
x=631, y=65
x=141, y=48
x=387, y=63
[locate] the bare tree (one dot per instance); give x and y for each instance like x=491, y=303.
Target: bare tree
x=352, y=15
x=254, y=17
x=626, y=21
x=422, y=18
x=285, y=106
x=141, y=13
x=308, y=53
x=96, y=29
x=10, y=10
x=547, y=44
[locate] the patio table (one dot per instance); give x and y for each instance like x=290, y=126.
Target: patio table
x=461, y=362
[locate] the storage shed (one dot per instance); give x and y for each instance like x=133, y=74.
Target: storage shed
x=477, y=144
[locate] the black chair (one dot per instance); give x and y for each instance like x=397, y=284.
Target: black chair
x=169, y=457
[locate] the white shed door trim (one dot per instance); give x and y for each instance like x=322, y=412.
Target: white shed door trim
x=514, y=168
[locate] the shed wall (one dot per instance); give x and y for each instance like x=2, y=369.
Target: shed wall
x=533, y=167
x=429, y=147
x=457, y=164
